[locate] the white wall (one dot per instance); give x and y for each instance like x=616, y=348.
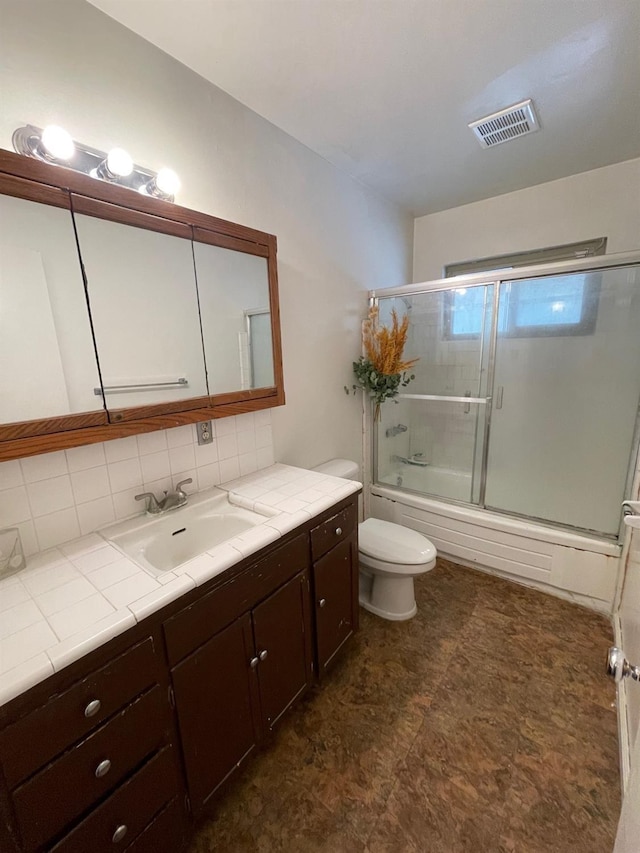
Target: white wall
x=601, y=203
x=67, y=63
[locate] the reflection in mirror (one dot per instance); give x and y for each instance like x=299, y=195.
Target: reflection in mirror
x=258, y=324
x=46, y=350
x=144, y=308
x=233, y=287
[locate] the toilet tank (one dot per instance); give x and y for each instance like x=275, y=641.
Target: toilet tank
x=345, y=468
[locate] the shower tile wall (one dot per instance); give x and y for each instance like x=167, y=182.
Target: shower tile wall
x=445, y=368
x=59, y=496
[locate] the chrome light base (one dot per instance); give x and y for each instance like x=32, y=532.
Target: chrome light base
x=27, y=141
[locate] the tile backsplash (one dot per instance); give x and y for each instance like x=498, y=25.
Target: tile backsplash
x=59, y=496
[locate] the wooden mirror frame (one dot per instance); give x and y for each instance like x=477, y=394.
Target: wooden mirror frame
x=31, y=179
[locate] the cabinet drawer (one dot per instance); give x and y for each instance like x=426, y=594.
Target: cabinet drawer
x=55, y=796
x=333, y=531
x=33, y=741
x=127, y=812
x=165, y=834
x=194, y=625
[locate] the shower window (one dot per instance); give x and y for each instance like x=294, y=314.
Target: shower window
x=560, y=305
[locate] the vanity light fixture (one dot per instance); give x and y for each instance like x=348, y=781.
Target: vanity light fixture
x=117, y=164
x=55, y=145
x=165, y=184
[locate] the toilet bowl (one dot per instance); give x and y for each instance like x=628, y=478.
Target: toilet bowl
x=391, y=555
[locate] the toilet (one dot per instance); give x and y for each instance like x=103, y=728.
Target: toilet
x=391, y=555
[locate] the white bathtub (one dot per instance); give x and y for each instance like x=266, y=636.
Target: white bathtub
x=571, y=565
x=436, y=481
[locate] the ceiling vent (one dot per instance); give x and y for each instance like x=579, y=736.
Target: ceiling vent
x=506, y=125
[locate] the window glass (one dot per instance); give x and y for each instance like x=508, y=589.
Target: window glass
x=561, y=305
x=556, y=302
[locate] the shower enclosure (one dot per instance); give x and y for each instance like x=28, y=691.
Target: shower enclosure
x=526, y=394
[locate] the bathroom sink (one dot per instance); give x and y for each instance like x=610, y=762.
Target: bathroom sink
x=165, y=542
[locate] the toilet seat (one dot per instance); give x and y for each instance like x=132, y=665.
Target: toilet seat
x=383, y=542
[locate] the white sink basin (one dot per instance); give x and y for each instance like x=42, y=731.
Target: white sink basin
x=162, y=543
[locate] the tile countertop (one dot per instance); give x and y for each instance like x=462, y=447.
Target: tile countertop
x=71, y=599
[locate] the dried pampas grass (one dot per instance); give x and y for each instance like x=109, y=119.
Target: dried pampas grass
x=383, y=345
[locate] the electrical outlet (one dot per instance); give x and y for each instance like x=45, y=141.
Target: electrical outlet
x=205, y=432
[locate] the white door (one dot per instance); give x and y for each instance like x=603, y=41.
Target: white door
x=628, y=837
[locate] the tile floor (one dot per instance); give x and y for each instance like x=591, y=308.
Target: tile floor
x=484, y=724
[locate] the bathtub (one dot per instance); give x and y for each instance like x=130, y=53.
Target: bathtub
x=568, y=564
x=436, y=481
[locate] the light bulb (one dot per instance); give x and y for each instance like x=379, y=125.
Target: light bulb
x=57, y=142
x=167, y=182
x=119, y=163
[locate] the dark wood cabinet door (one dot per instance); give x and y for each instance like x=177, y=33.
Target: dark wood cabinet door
x=336, y=600
x=216, y=701
x=281, y=629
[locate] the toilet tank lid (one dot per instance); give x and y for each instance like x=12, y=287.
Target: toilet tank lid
x=346, y=468
x=394, y=543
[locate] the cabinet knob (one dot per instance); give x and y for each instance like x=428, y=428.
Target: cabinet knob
x=338, y=531
x=103, y=768
x=92, y=708
x=263, y=654
x=322, y=602
x=253, y=663
x=119, y=833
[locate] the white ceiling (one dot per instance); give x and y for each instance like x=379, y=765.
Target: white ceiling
x=384, y=89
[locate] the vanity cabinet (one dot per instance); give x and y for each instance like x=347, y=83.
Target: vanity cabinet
x=334, y=547
x=122, y=748
x=234, y=687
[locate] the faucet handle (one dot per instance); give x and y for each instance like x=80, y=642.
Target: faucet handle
x=183, y=483
x=152, y=503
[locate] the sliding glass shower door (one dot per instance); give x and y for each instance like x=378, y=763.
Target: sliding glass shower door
x=566, y=391
x=526, y=395
x=432, y=441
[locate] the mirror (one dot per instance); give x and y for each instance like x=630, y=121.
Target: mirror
x=47, y=355
x=123, y=313
x=144, y=306
x=233, y=288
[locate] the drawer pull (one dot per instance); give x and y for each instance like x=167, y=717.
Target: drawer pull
x=103, y=768
x=253, y=663
x=263, y=654
x=120, y=833
x=338, y=531
x=322, y=602
x=92, y=708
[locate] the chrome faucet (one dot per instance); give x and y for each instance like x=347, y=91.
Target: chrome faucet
x=395, y=430
x=171, y=500
x=415, y=459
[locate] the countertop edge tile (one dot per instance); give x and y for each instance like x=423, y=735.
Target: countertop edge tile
x=223, y=557
x=284, y=522
x=157, y=599
x=24, y=676
x=89, y=639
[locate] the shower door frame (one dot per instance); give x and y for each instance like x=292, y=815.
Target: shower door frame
x=497, y=278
